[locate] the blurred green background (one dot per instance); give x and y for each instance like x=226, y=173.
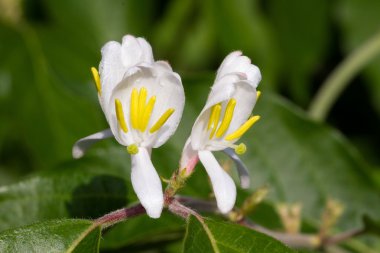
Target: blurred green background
x=47, y=99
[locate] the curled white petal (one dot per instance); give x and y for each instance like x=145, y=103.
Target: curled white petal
x=147, y=183
x=135, y=51
x=235, y=62
x=85, y=143
x=119, y=59
x=243, y=172
x=111, y=71
x=223, y=185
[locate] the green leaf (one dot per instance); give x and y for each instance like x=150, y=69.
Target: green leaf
x=307, y=162
x=222, y=237
x=52, y=236
x=82, y=189
x=143, y=230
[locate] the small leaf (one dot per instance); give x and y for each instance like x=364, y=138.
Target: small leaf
x=223, y=237
x=52, y=236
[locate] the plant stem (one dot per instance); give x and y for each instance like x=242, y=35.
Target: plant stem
x=297, y=240
x=341, y=76
x=120, y=215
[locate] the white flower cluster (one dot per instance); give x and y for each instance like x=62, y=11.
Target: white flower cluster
x=143, y=101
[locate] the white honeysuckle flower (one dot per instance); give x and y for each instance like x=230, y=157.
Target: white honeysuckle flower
x=223, y=120
x=143, y=102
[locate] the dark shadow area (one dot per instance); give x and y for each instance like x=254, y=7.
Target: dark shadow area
x=101, y=195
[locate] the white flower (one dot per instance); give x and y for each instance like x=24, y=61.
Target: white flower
x=223, y=120
x=143, y=102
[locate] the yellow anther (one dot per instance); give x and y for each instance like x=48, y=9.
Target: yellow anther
x=147, y=113
x=141, y=106
x=214, y=119
x=229, y=112
x=240, y=149
x=96, y=77
x=258, y=94
x=133, y=149
x=134, y=108
x=161, y=121
x=120, y=115
x=214, y=111
x=242, y=129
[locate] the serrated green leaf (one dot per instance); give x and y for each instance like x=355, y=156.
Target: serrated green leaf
x=222, y=237
x=52, y=236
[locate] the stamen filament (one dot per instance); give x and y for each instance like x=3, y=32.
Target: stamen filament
x=242, y=129
x=134, y=108
x=229, y=112
x=141, y=106
x=214, y=119
x=161, y=121
x=95, y=75
x=147, y=113
x=120, y=115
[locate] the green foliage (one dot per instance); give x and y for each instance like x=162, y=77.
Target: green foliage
x=222, y=237
x=296, y=161
x=52, y=236
x=47, y=102
x=85, y=189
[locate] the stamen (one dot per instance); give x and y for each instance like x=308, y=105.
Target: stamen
x=161, y=121
x=95, y=75
x=242, y=129
x=229, y=112
x=134, y=108
x=240, y=149
x=215, y=115
x=141, y=106
x=212, y=115
x=133, y=149
x=147, y=113
x=258, y=94
x=120, y=115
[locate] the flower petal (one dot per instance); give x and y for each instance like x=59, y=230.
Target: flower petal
x=111, y=71
x=189, y=158
x=245, y=96
x=243, y=172
x=229, y=86
x=119, y=59
x=219, y=93
x=166, y=86
x=235, y=62
x=135, y=51
x=85, y=143
x=147, y=183
x=223, y=185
